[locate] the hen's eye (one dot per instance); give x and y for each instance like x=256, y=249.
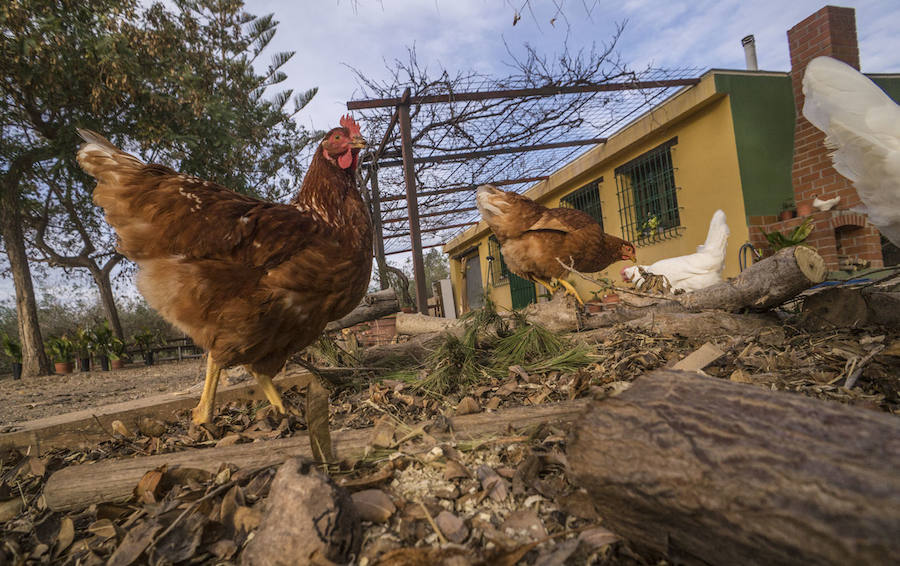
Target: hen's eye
x=337, y=136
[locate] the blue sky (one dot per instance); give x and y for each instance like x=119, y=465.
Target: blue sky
x=470, y=34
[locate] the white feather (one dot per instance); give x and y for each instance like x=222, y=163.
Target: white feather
x=694, y=271
x=862, y=126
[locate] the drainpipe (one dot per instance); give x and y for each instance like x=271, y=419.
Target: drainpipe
x=749, y=44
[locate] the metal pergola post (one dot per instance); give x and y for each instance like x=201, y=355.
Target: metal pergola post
x=412, y=203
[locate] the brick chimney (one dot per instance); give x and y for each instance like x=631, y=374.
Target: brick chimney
x=843, y=238
x=831, y=31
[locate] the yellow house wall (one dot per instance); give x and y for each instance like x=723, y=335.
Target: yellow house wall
x=499, y=294
x=706, y=172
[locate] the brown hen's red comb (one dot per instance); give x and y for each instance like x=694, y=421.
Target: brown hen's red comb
x=348, y=122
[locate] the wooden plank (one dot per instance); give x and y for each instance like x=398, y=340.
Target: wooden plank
x=78, y=486
x=699, y=358
x=519, y=92
x=81, y=428
x=412, y=203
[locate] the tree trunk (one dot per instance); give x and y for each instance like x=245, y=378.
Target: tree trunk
x=705, y=471
x=107, y=299
x=34, y=359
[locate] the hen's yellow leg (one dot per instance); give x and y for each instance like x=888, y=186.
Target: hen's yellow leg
x=272, y=394
x=545, y=284
x=570, y=289
x=205, y=410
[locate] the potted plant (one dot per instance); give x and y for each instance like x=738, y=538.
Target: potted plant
x=797, y=236
x=101, y=336
x=60, y=350
x=116, y=353
x=144, y=342
x=788, y=210
x=82, y=342
x=13, y=350
x=595, y=304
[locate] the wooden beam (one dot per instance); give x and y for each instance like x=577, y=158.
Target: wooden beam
x=84, y=427
x=448, y=227
x=472, y=187
x=518, y=93
x=409, y=250
x=412, y=203
x=78, y=486
x=497, y=151
x=430, y=214
x=377, y=226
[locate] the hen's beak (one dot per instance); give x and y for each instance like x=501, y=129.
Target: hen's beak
x=358, y=142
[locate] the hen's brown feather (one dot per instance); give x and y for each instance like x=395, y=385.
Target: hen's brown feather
x=532, y=237
x=251, y=281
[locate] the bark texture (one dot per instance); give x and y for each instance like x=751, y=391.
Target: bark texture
x=373, y=305
x=706, y=471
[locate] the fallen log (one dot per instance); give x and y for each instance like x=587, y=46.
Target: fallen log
x=849, y=307
x=374, y=305
x=706, y=471
x=414, y=324
x=78, y=486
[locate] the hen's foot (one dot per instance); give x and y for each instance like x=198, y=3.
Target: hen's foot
x=570, y=290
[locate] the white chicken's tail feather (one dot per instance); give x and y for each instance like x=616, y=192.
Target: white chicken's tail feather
x=104, y=161
x=717, y=236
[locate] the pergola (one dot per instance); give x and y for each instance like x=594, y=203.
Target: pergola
x=436, y=148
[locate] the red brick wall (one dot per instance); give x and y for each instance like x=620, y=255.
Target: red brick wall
x=830, y=31
x=840, y=236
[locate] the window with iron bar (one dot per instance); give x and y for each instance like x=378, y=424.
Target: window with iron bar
x=499, y=271
x=586, y=199
x=648, y=204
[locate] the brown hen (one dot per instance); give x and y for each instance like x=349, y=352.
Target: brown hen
x=534, y=238
x=250, y=281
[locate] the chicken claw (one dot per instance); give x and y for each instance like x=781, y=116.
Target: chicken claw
x=546, y=285
x=204, y=412
x=272, y=394
x=570, y=290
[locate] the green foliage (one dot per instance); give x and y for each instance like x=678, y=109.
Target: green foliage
x=82, y=342
x=797, y=236
x=488, y=348
x=11, y=348
x=60, y=349
x=115, y=349
x=145, y=340
x=101, y=338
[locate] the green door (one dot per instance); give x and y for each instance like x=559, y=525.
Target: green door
x=521, y=291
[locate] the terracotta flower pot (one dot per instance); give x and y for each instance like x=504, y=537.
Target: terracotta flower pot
x=63, y=367
x=804, y=209
x=611, y=298
x=787, y=214
x=594, y=307
x=116, y=364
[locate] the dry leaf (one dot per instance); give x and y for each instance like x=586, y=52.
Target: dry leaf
x=228, y=440
x=373, y=505
x=119, y=427
x=66, y=535
x=467, y=406
x=383, y=433
x=148, y=488
x=133, y=545
x=37, y=466
x=454, y=470
x=317, y=421
x=246, y=518
x=151, y=427
x=452, y=527
x=104, y=529
x=9, y=510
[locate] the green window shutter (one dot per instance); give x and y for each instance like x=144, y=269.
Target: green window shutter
x=586, y=199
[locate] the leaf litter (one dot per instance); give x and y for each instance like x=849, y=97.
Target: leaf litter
x=506, y=500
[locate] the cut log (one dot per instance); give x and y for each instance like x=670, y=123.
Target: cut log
x=413, y=324
x=763, y=285
x=78, y=486
x=373, y=305
x=848, y=307
x=706, y=471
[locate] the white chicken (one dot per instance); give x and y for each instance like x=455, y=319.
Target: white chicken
x=694, y=271
x=862, y=126
x=826, y=204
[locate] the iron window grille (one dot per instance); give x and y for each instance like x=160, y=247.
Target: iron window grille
x=499, y=271
x=648, y=204
x=586, y=199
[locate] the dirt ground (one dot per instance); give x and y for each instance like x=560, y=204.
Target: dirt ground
x=34, y=398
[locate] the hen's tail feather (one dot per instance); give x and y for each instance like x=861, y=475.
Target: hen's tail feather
x=717, y=237
x=104, y=161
